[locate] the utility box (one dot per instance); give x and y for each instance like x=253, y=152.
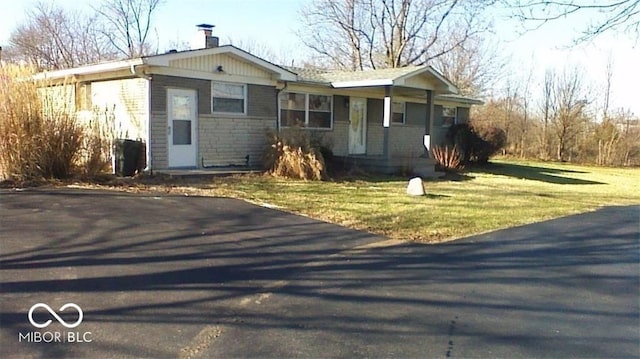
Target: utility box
x=127, y=156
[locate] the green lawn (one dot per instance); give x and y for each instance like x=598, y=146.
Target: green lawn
x=505, y=194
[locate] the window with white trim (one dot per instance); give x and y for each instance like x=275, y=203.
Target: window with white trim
x=228, y=98
x=448, y=116
x=398, y=109
x=306, y=110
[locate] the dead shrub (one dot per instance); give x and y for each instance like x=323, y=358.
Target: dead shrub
x=40, y=135
x=97, y=144
x=292, y=154
x=447, y=159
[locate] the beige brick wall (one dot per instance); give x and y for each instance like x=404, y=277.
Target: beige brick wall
x=406, y=140
x=221, y=141
x=226, y=141
x=337, y=139
x=375, y=138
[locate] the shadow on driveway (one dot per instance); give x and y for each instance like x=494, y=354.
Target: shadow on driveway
x=169, y=276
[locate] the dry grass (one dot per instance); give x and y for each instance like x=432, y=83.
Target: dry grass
x=40, y=135
x=504, y=194
x=97, y=145
x=447, y=159
x=291, y=154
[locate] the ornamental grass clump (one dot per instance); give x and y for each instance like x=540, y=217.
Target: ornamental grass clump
x=292, y=154
x=40, y=134
x=447, y=159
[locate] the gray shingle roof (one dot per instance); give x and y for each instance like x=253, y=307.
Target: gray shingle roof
x=328, y=76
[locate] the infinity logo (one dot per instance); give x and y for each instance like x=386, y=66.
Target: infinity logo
x=55, y=315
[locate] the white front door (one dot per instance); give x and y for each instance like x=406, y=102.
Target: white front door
x=182, y=128
x=357, y=126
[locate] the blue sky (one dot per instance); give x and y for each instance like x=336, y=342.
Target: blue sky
x=272, y=25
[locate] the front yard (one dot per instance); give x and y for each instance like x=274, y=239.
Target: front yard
x=506, y=194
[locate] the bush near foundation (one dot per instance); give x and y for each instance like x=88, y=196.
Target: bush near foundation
x=293, y=153
x=447, y=159
x=476, y=145
x=40, y=136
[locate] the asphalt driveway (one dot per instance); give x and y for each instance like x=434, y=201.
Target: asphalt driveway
x=194, y=277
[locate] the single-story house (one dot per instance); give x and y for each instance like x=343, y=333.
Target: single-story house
x=213, y=106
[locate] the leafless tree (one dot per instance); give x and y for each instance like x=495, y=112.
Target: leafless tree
x=629, y=145
x=511, y=103
x=526, y=113
x=363, y=34
x=54, y=38
x=128, y=24
x=548, y=103
x=568, y=112
x=613, y=15
x=607, y=133
x=474, y=67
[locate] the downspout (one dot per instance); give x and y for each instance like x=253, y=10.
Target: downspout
x=138, y=71
x=278, y=91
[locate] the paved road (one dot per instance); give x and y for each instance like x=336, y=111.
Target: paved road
x=194, y=277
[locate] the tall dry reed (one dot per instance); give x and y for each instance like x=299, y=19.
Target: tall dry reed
x=40, y=134
x=293, y=154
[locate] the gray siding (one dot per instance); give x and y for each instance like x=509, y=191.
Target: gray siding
x=416, y=114
x=340, y=108
x=158, y=143
x=437, y=114
x=462, y=115
x=222, y=140
x=262, y=101
x=338, y=138
x=160, y=83
x=375, y=131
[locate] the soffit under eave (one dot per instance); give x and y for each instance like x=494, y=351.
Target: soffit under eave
x=426, y=80
x=91, y=77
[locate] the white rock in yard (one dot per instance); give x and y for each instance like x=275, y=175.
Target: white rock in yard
x=415, y=187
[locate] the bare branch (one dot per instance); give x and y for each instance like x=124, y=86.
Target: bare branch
x=127, y=24
x=389, y=33
x=620, y=15
x=55, y=38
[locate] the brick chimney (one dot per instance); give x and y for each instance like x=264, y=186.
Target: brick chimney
x=203, y=38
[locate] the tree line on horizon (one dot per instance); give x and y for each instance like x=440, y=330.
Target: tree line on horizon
x=557, y=119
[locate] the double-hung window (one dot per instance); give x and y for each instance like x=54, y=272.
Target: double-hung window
x=228, y=98
x=448, y=116
x=305, y=110
x=398, y=113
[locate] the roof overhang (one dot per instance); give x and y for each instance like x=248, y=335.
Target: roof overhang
x=106, y=67
x=409, y=79
x=460, y=99
x=163, y=61
x=362, y=83
x=230, y=50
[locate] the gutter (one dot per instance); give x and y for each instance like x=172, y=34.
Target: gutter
x=278, y=91
x=138, y=71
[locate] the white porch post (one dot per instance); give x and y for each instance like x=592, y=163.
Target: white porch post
x=429, y=121
x=386, y=121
